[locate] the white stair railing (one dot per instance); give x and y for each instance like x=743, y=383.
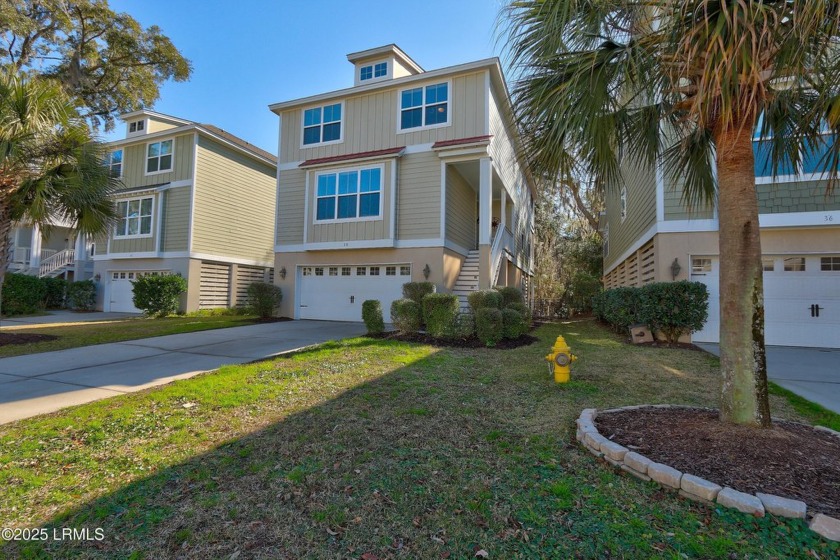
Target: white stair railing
x=59, y=260
x=501, y=241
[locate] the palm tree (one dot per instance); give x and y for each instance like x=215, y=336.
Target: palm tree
x=685, y=85
x=50, y=167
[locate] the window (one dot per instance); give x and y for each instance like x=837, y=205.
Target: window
x=159, y=157
x=374, y=271
x=424, y=106
x=405, y=270
x=768, y=264
x=307, y=271
x=319, y=271
x=380, y=69
x=345, y=271
x=623, y=203
x=135, y=217
x=360, y=271
x=347, y=195
x=795, y=264
x=830, y=264
x=136, y=126
x=390, y=271
x=322, y=124
x=701, y=265
x=114, y=163
x=333, y=271
x=373, y=71
x=366, y=73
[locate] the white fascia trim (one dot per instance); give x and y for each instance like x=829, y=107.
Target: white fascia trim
x=452, y=246
x=418, y=148
x=289, y=165
x=334, y=245
x=175, y=185
x=354, y=91
x=159, y=116
x=647, y=236
x=305, y=207
x=414, y=243
x=800, y=219
x=687, y=226
x=191, y=225
x=463, y=153
x=660, y=191
x=392, y=229
x=487, y=96
x=277, y=180
x=182, y=255
x=442, y=199
x=227, y=259
x=141, y=255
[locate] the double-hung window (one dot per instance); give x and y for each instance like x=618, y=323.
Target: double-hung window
x=159, y=157
x=347, y=195
x=114, y=163
x=135, y=217
x=322, y=124
x=424, y=106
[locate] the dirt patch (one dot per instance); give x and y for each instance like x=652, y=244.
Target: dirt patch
x=789, y=460
x=7, y=339
x=472, y=342
x=663, y=344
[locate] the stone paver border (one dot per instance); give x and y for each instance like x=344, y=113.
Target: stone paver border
x=694, y=487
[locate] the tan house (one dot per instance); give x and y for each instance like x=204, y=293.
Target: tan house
x=195, y=201
x=651, y=235
x=409, y=175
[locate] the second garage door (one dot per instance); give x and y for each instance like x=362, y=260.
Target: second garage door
x=336, y=293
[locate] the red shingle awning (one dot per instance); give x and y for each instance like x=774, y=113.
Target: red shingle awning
x=462, y=141
x=352, y=157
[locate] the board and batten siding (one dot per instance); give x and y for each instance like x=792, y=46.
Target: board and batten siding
x=418, y=196
x=176, y=219
x=370, y=120
x=134, y=163
x=460, y=210
x=234, y=204
x=290, y=206
x=640, y=181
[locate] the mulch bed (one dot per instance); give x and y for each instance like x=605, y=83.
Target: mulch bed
x=422, y=338
x=7, y=339
x=789, y=460
x=662, y=344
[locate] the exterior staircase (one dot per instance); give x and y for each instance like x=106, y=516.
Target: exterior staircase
x=467, y=281
x=56, y=264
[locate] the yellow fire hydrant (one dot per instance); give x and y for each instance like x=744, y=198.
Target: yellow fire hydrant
x=561, y=356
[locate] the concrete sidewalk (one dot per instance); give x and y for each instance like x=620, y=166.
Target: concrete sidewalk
x=812, y=373
x=64, y=316
x=41, y=383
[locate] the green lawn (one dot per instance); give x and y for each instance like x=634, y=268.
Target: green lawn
x=73, y=335
x=375, y=449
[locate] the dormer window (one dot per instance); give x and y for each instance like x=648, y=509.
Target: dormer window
x=322, y=124
x=378, y=70
x=136, y=126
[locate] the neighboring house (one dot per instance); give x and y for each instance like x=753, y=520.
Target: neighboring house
x=650, y=235
x=409, y=175
x=194, y=201
x=56, y=251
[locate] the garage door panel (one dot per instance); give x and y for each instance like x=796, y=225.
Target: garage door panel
x=336, y=293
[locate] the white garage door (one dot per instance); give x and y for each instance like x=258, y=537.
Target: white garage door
x=336, y=293
x=801, y=300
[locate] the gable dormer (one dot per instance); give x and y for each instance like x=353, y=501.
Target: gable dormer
x=139, y=123
x=382, y=63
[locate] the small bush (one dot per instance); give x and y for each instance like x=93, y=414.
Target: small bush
x=372, y=316
x=439, y=313
x=219, y=312
x=23, y=294
x=523, y=310
x=621, y=307
x=264, y=298
x=510, y=295
x=485, y=299
x=56, y=293
x=462, y=327
x=158, y=296
x=81, y=296
x=675, y=308
x=416, y=291
x=489, y=326
x=513, y=323
x=407, y=315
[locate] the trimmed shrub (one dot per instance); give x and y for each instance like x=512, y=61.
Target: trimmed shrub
x=439, y=313
x=510, y=295
x=372, y=316
x=23, y=294
x=463, y=326
x=523, y=310
x=158, y=296
x=489, y=326
x=56, y=293
x=675, y=308
x=81, y=296
x=407, y=315
x=482, y=299
x=264, y=298
x=416, y=291
x=513, y=324
x=621, y=307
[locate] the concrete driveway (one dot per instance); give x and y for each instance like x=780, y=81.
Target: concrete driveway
x=40, y=383
x=813, y=373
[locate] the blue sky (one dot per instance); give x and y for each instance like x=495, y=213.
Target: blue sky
x=248, y=54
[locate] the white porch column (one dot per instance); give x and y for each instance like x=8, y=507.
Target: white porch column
x=503, y=209
x=35, y=250
x=80, y=257
x=485, y=211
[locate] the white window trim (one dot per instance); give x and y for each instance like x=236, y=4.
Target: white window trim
x=449, y=98
x=373, y=77
x=340, y=130
x=336, y=171
x=122, y=162
x=146, y=158
x=139, y=235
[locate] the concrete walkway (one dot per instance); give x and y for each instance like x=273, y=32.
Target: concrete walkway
x=812, y=373
x=41, y=383
x=64, y=316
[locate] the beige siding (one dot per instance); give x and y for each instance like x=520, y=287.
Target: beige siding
x=370, y=121
x=418, y=198
x=234, y=204
x=158, y=126
x=460, y=210
x=176, y=219
x=640, y=181
x=290, y=207
x=134, y=163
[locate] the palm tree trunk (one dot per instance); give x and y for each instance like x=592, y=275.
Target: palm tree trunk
x=5, y=244
x=742, y=358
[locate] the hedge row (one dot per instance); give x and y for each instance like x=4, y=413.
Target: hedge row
x=24, y=294
x=672, y=308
